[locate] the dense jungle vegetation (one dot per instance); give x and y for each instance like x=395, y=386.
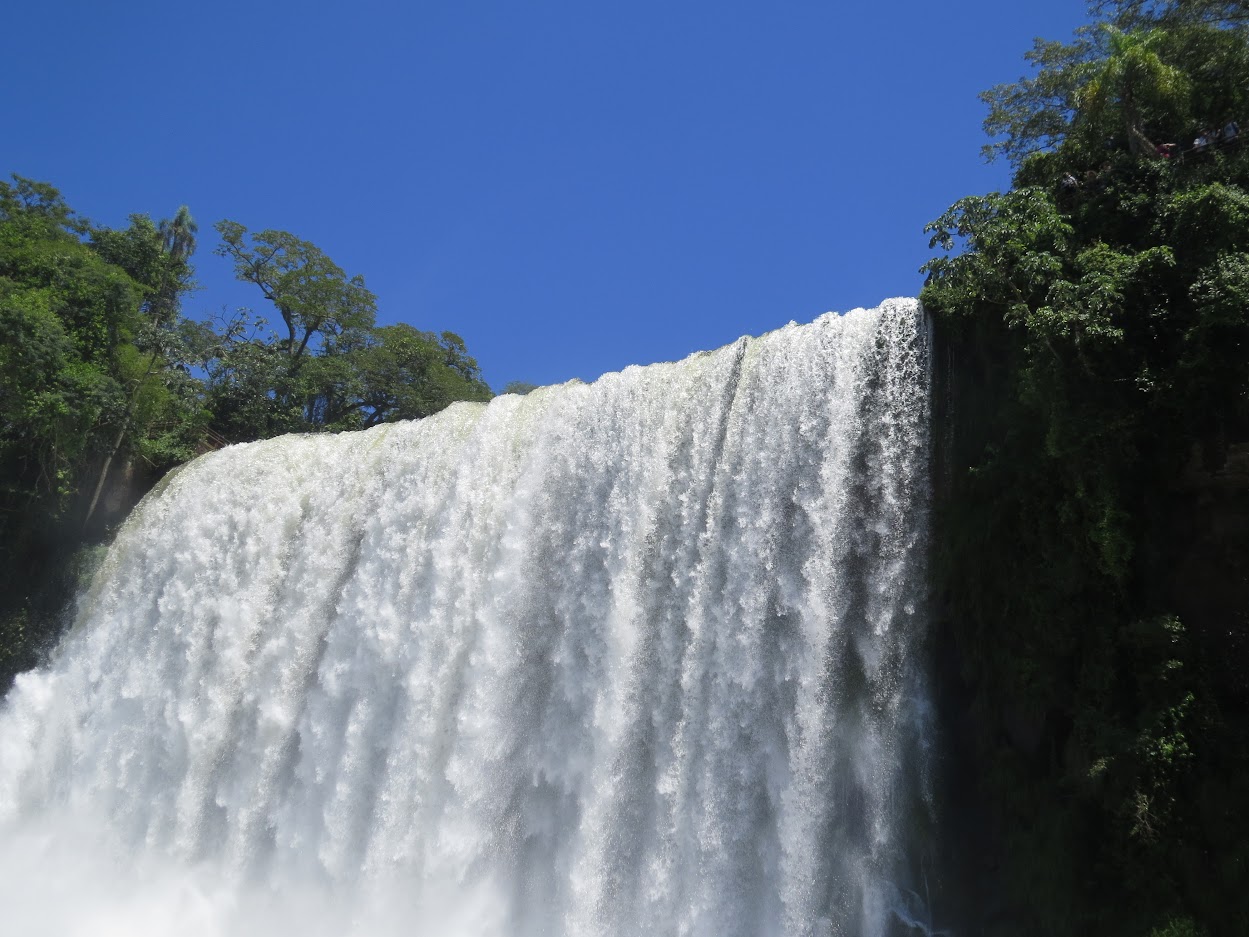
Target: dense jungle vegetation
x=1093, y=482
x=105, y=384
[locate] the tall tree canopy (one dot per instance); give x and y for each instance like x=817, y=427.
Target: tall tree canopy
x=312, y=294
x=331, y=367
x=1145, y=74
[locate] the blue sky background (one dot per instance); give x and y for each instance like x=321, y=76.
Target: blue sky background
x=571, y=186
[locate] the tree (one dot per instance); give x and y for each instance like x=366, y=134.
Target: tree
x=243, y=363
x=407, y=374
x=333, y=369
x=519, y=387
x=1131, y=13
x=274, y=389
x=316, y=300
x=1034, y=114
x=178, y=239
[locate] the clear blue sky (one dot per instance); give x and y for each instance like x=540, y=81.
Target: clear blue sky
x=571, y=186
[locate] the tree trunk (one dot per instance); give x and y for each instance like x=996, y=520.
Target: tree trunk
x=121, y=436
x=108, y=462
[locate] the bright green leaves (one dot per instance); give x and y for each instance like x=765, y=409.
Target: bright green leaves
x=1125, y=85
x=38, y=399
x=97, y=302
x=64, y=311
x=1013, y=249
x=406, y=374
x=1130, y=91
x=28, y=202
x=1106, y=289
x=94, y=360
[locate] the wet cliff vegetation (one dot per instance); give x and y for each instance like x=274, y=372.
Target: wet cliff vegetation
x=105, y=384
x=1092, y=553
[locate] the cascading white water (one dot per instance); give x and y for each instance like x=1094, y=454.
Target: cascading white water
x=634, y=657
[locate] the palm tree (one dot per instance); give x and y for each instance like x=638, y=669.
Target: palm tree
x=178, y=241
x=1135, y=81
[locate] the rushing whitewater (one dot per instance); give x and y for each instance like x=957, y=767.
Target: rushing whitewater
x=638, y=657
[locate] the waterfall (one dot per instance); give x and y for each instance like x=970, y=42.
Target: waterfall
x=641, y=656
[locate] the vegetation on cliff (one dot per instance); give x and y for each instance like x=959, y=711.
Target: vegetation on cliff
x=105, y=385
x=1096, y=390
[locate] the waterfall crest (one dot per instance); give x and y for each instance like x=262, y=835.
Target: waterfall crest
x=641, y=656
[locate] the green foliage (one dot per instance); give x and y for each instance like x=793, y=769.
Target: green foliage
x=64, y=311
x=1036, y=112
x=406, y=374
x=333, y=369
x=316, y=300
x=1098, y=319
x=104, y=385
x=1229, y=13
x=1125, y=86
